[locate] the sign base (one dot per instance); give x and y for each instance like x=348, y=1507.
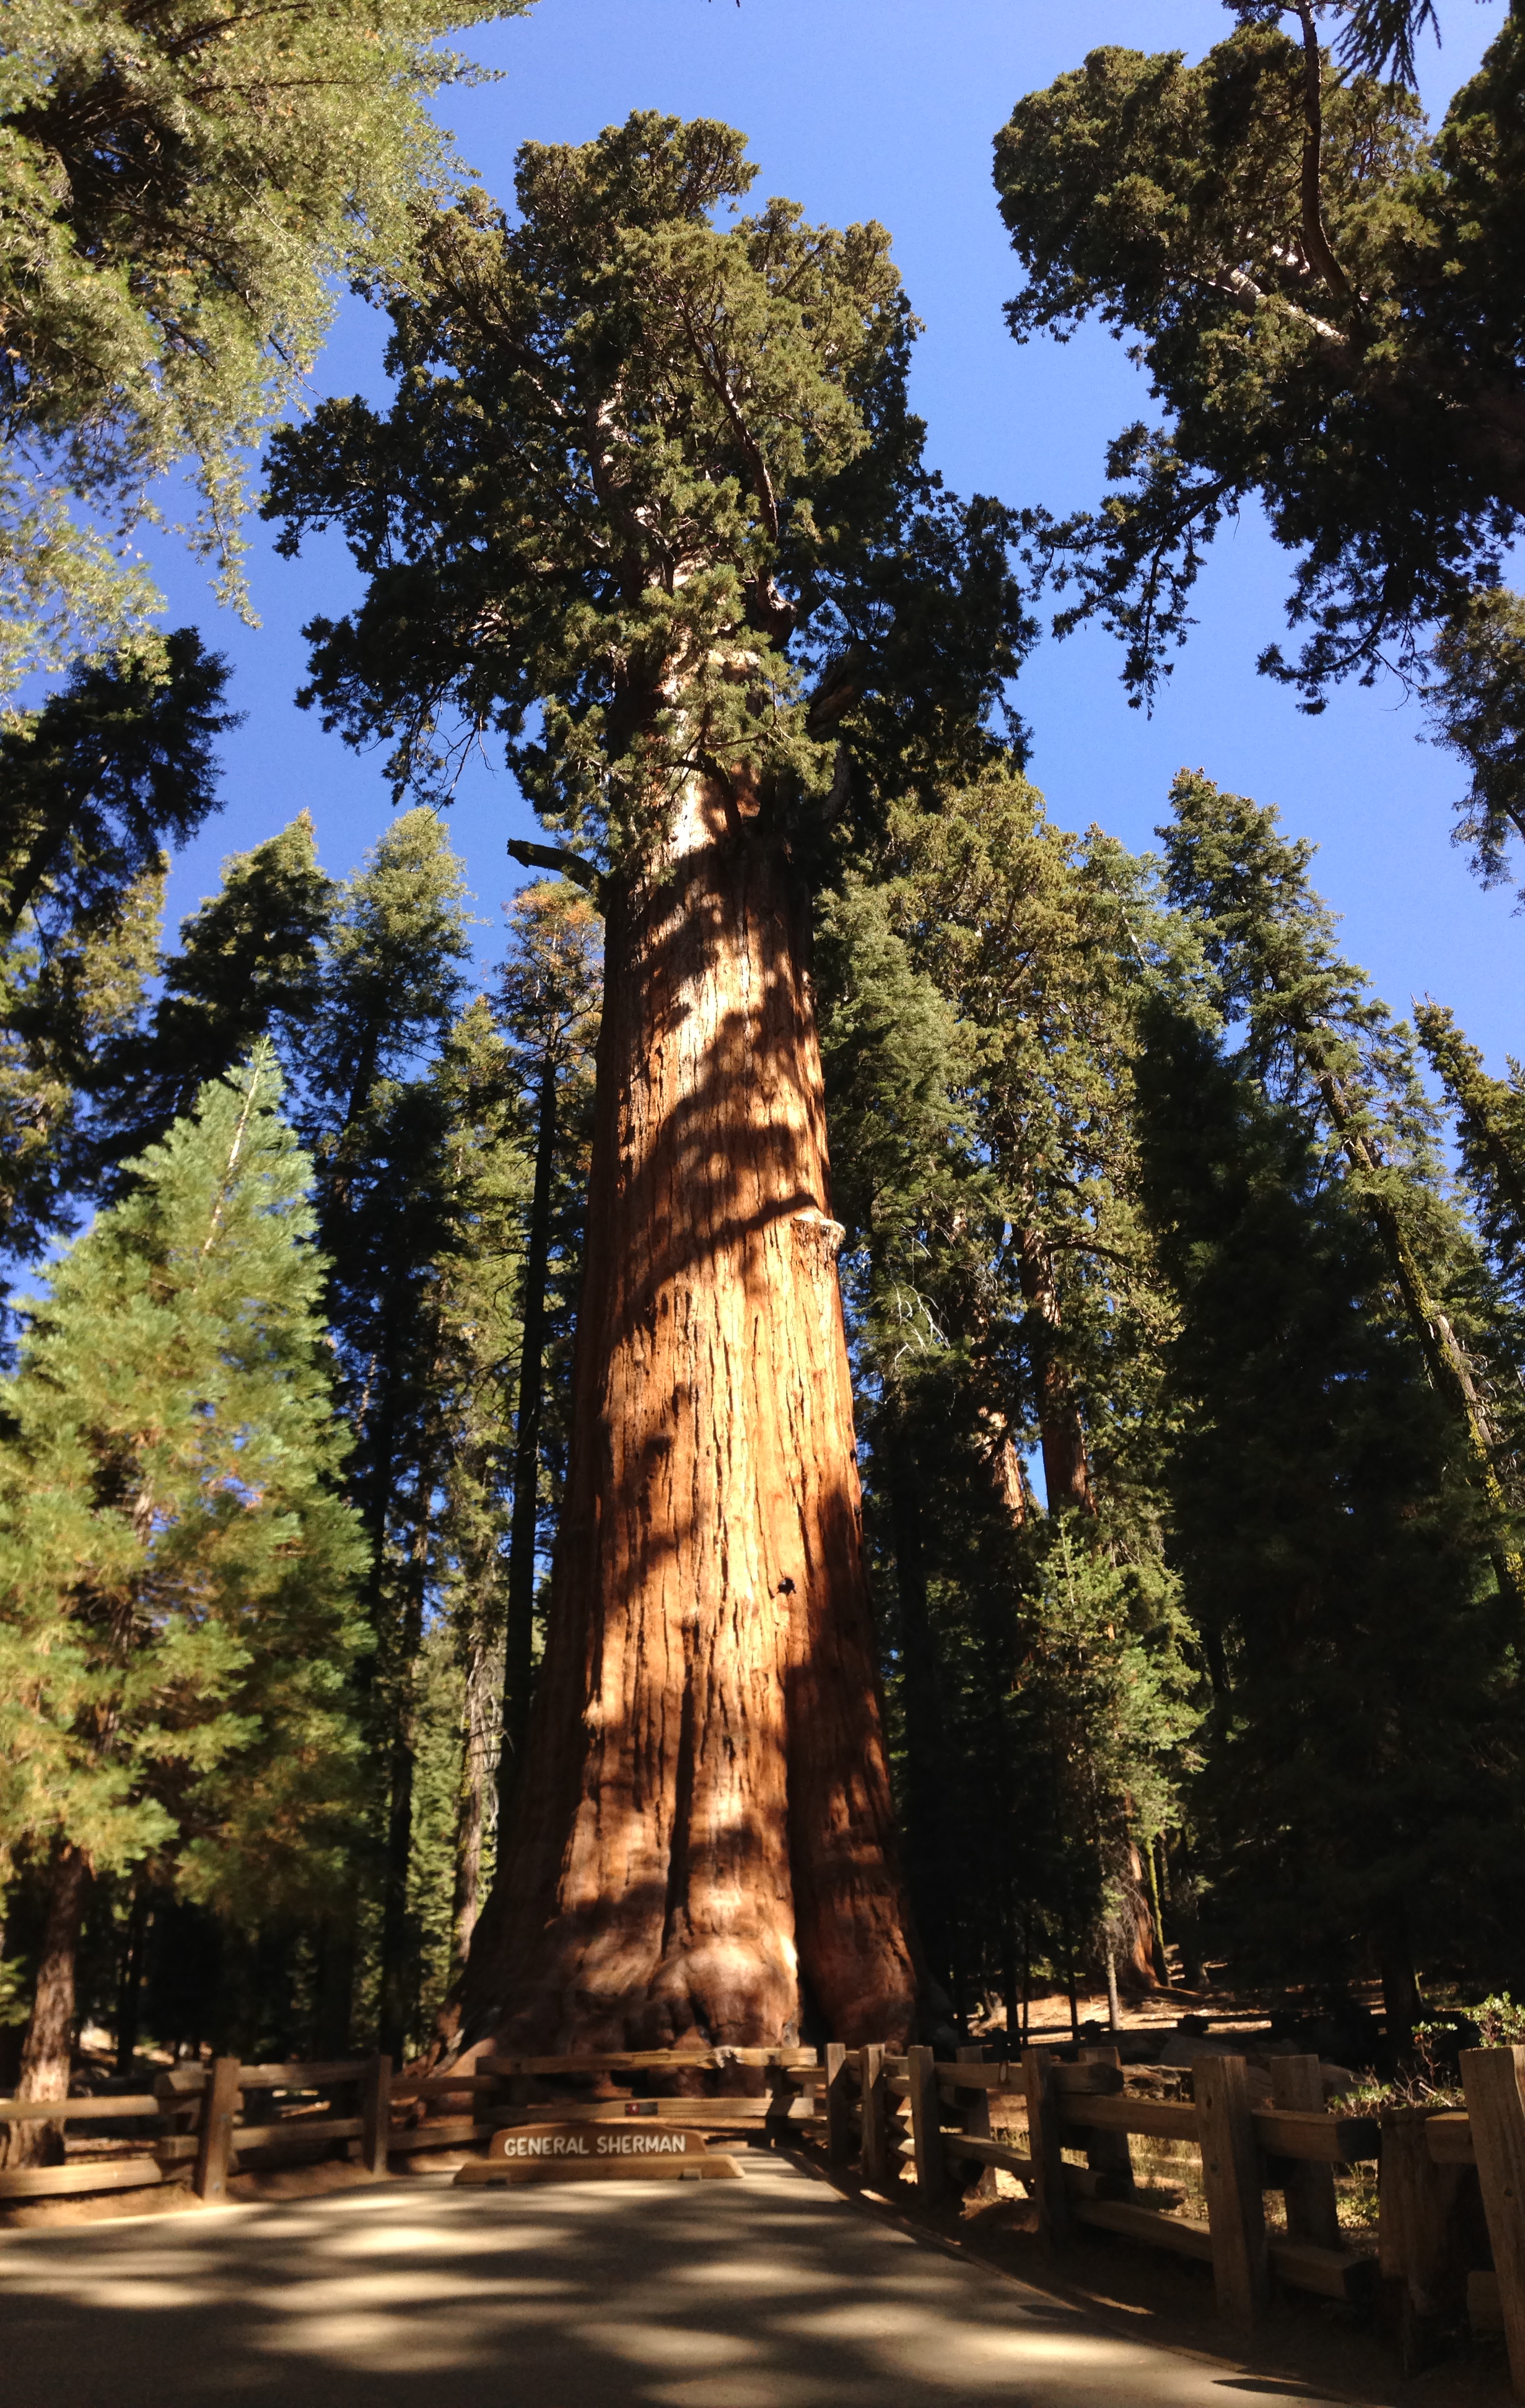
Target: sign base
x=597, y=2153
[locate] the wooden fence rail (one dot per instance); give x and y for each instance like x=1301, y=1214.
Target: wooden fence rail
x=208, y=2123
x=894, y=2114
x=915, y=2112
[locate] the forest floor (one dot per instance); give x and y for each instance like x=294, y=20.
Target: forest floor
x=776, y=2291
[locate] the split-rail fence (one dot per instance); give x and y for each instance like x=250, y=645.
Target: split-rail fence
x=916, y=2118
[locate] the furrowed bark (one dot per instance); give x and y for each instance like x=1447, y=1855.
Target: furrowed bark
x=48, y=2056
x=705, y=1810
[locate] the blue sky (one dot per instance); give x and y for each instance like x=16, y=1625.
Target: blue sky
x=885, y=108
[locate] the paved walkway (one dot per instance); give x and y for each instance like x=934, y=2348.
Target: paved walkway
x=772, y=2292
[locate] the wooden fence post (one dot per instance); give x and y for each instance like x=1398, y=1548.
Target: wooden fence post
x=1419, y=2255
x=974, y=2119
x=376, y=2115
x=1232, y=2180
x=875, y=2150
x=839, y=2105
x=1308, y=2189
x=219, y=2110
x=926, y=2125
x=1108, y=2152
x=1055, y=2223
x=1491, y=2079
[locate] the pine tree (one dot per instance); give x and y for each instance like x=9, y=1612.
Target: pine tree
x=396, y=938
x=248, y=967
x=1313, y=1032
x=384, y=986
x=183, y=202
x=470, y=1333
x=1327, y=304
x=1360, y=1761
x=71, y=995
x=655, y=512
x=979, y=1033
x=177, y=1573
x=1491, y=1118
x=107, y=772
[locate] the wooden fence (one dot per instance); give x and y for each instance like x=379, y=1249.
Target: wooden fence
x=201, y=2123
x=1451, y=2183
x=894, y=2113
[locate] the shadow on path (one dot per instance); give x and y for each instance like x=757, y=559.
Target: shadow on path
x=772, y=2292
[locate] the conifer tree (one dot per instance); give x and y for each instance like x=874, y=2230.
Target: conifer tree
x=468, y=1341
x=71, y=996
x=394, y=942
x=1490, y=1121
x=183, y=199
x=649, y=504
x=548, y=1011
x=1312, y=1031
x=95, y=784
x=1360, y=1761
x=384, y=985
x=1326, y=300
x=979, y=1035
x=248, y=967
x=479, y=1304
x=177, y=1573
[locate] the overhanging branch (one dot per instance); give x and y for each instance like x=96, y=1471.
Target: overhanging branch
x=557, y=857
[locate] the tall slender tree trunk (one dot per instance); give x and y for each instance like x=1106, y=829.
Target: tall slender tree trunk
x=1061, y=1434
x=392, y=2024
x=337, y=1950
x=48, y=2055
x=928, y=1850
x=130, y=1986
x=705, y=1814
x=1401, y=2004
x=519, y=1641
x=471, y=1803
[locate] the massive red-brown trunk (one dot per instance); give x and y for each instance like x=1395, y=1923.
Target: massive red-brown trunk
x=704, y=1816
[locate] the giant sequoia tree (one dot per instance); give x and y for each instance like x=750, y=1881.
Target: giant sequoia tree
x=1327, y=304
x=649, y=506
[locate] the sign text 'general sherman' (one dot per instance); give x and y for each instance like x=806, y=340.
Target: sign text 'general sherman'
x=574, y=2152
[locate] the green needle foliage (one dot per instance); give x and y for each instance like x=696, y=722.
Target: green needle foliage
x=71, y=996
x=980, y=1000
x=1360, y=1761
x=1315, y=1036
x=634, y=446
x=182, y=194
x=394, y=940
x=177, y=1572
x=1328, y=303
x=118, y=765
x=249, y=967
x=1490, y=1125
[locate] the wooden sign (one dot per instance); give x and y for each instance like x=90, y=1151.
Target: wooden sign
x=597, y=2152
